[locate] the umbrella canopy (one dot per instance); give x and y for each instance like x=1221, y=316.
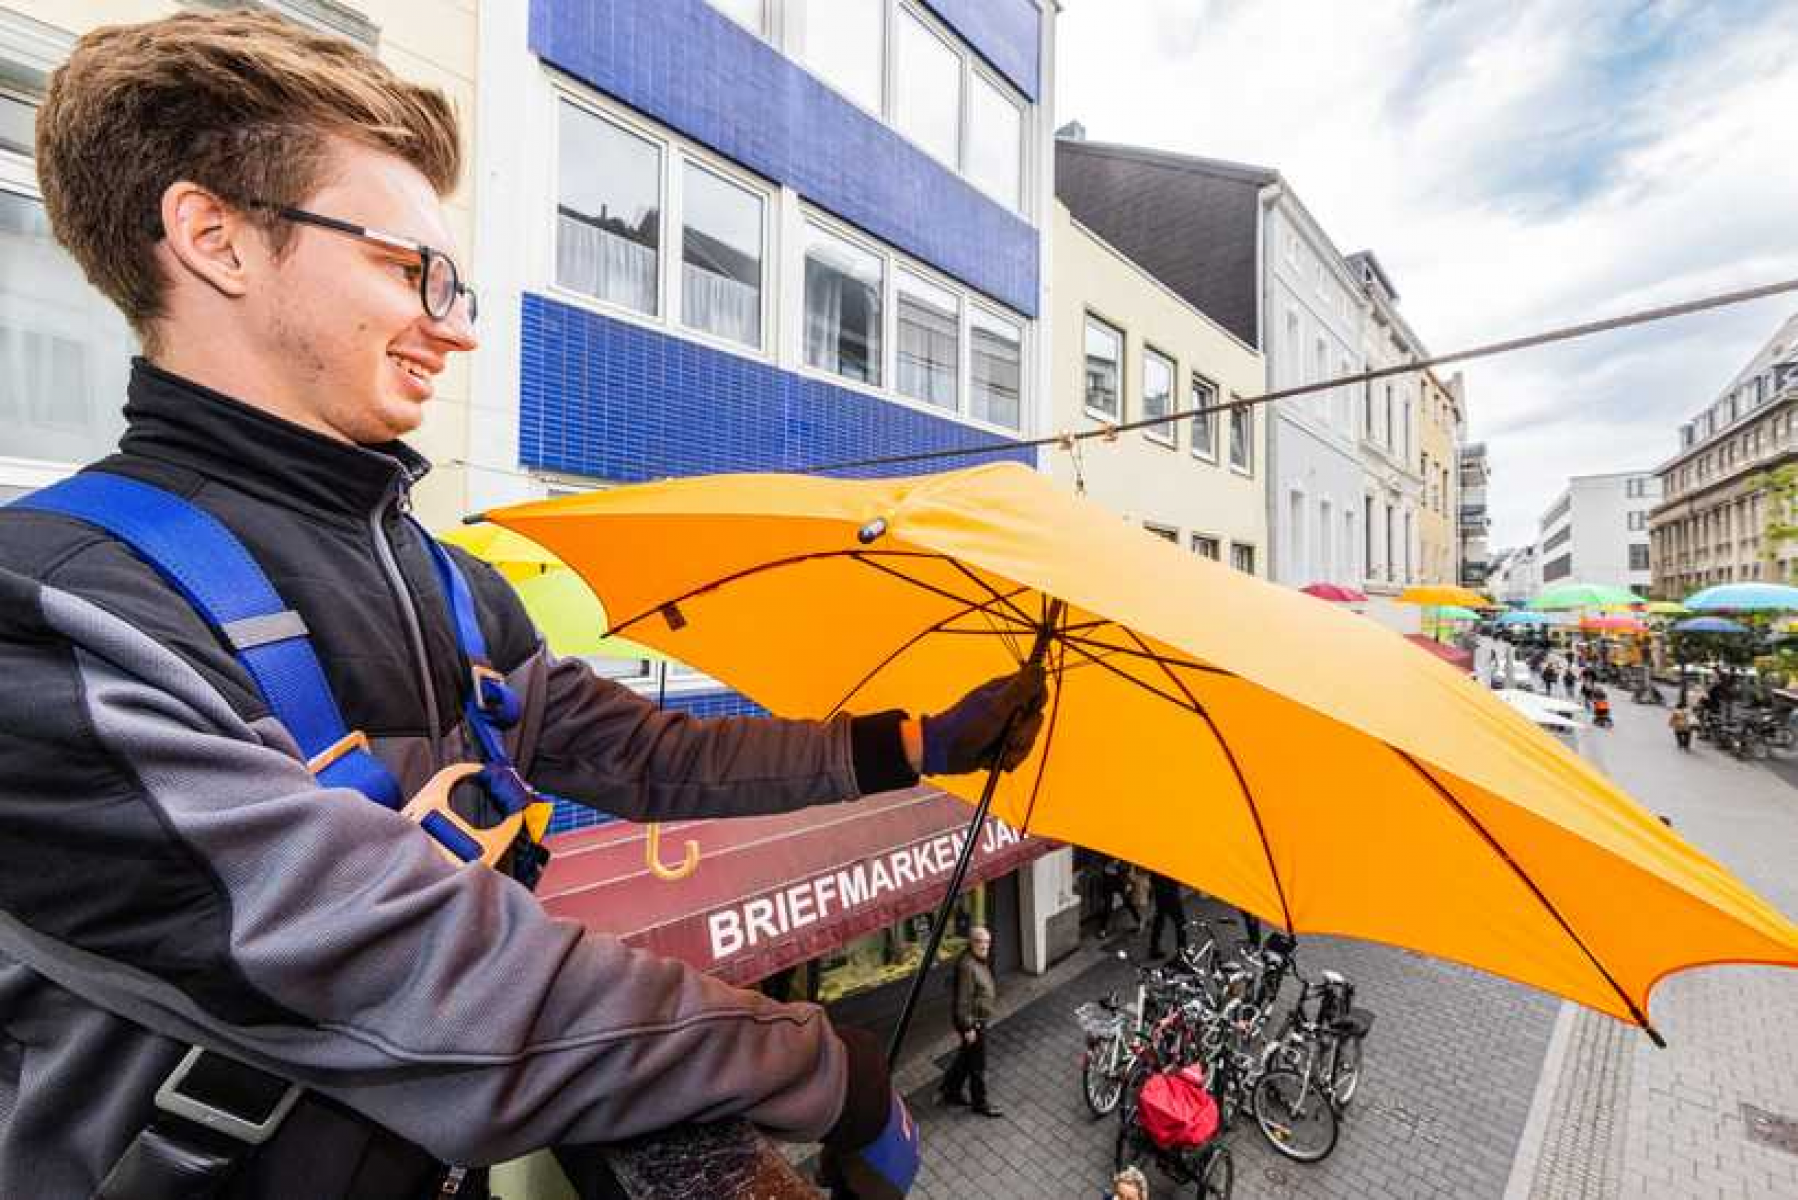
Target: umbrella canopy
x=1452, y=612
x=516, y=557
x=1583, y=595
x=1745, y=597
x=1613, y=623
x=1422, y=812
x=570, y=617
x=1526, y=618
x=1334, y=591
x=1665, y=608
x=1710, y=625
x=1443, y=593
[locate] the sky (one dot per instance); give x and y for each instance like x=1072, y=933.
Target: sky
x=1515, y=165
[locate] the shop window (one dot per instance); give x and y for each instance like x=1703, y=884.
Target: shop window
x=890, y=955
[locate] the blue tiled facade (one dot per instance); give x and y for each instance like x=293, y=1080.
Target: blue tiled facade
x=610, y=399
x=699, y=72
x=1004, y=32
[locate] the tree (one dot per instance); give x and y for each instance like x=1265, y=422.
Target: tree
x=1779, y=487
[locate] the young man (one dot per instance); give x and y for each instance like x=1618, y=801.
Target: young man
x=265, y=206
x=976, y=995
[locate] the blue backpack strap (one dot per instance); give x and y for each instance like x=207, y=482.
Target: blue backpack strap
x=489, y=704
x=206, y=563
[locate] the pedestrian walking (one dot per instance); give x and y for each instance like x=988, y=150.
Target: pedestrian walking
x=1550, y=677
x=1169, y=909
x=1114, y=888
x=1680, y=722
x=221, y=894
x=976, y=994
x=1129, y=1184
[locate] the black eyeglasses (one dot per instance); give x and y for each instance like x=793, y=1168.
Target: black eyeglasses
x=439, y=283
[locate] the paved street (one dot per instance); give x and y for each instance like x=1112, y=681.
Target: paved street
x=1474, y=1087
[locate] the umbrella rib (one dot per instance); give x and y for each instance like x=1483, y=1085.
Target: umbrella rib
x=1536, y=891
x=917, y=637
x=1042, y=763
x=1242, y=782
x=1150, y=655
x=990, y=590
x=868, y=560
x=1097, y=661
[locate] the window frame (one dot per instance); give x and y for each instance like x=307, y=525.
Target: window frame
x=1167, y=533
x=768, y=276
x=1090, y=318
x=1216, y=542
x=931, y=28
x=1166, y=434
x=1237, y=548
x=1196, y=377
x=1247, y=414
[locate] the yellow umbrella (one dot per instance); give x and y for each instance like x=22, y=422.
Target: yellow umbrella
x=1292, y=758
x=1443, y=593
x=571, y=619
x=516, y=557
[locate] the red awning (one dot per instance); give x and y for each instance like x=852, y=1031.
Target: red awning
x=1454, y=656
x=774, y=891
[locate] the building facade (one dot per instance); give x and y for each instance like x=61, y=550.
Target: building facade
x=1712, y=525
x=1514, y=575
x=1596, y=531
x=64, y=350
x=1473, y=522
x=1311, y=324
x=1392, y=484
x=1442, y=413
x=1127, y=347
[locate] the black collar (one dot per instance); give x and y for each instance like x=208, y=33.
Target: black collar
x=177, y=421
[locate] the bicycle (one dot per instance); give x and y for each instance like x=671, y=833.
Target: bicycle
x=1312, y=1070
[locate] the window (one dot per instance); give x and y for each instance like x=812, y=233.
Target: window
x=1638, y=520
x=1326, y=540
x=1242, y=439
x=608, y=211
x=842, y=42
x=994, y=161
x=1295, y=357
x=1158, y=394
x=1389, y=416
x=1104, y=359
x=996, y=385
x=1205, y=546
x=64, y=350
x=1298, y=569
x=843, y=288
x=1204, y=424
x=1638, y=556
x=929, y=364
x=721, y=257
x=1163, y=532
x=1242, y=557
x=927, y=89
x=747, y=13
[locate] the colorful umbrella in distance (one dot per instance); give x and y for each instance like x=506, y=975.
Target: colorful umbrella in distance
x=1710, y=625
x=1583, y=595
x=1745, y=597
x=1612, y=623
x=1453, y=612
x=1335, y=592
x=1525, y=618
x=1443, y=593
x=1169, y=737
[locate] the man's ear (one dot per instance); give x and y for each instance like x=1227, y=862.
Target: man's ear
x=207, y=238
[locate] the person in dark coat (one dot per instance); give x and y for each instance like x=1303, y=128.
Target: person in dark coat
x=1170, y=909
x=1114, y=883
x=976, y=995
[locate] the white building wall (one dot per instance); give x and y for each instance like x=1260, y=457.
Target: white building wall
x=1310, y=331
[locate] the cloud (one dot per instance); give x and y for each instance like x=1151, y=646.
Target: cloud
x=1516, y=166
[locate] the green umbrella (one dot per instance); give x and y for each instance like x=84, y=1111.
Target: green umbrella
x=1454, y=612
x=1582, y=595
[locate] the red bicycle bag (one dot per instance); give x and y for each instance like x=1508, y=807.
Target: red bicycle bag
x=1176, y=1111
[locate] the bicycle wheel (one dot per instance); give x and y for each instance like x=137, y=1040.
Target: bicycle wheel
x=1218, y=1179
x=1102, y=1079
x=1348, y=1071
x=1296, y=1118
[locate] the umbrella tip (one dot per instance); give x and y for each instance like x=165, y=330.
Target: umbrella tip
x=872, y=531
x=479, y=518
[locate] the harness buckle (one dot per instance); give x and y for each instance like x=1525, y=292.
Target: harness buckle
x=252, y=1129
x=349, y=743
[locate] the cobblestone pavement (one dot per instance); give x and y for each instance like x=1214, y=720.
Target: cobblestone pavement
x=1451, y=1065
x=1628, y=1119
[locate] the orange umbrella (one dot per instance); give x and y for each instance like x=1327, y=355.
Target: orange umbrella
x=1328, y=777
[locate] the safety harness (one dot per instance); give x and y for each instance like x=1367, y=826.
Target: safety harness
x=213, y=1110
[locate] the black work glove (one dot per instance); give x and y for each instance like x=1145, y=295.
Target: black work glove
x=965, y=736
x=872, y=1153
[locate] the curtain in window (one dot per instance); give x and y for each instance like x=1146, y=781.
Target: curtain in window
x=928, y=348
x=594, y=259
x=721, y=305
x=998, y=371
x=842, y=323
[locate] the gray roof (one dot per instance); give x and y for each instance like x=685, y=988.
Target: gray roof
x=1190, y=222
